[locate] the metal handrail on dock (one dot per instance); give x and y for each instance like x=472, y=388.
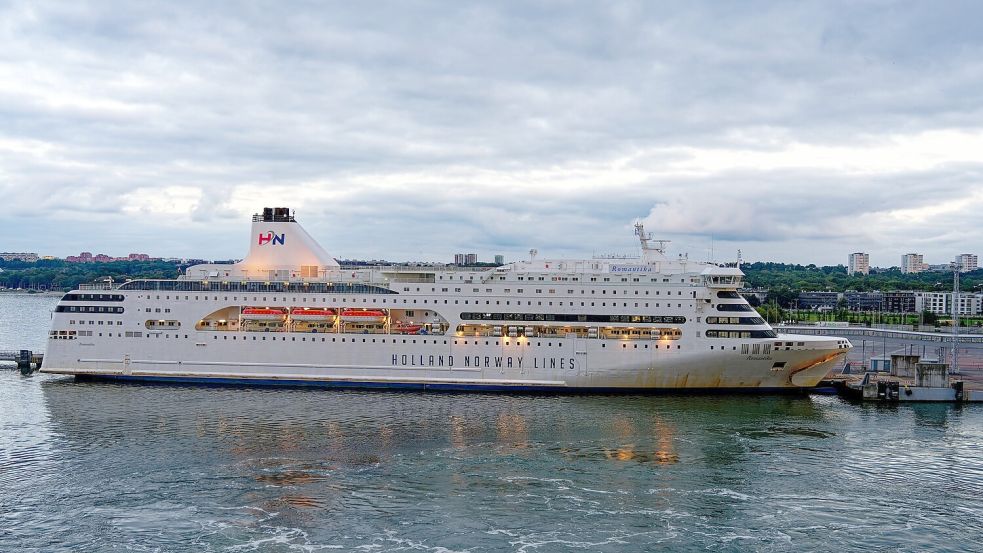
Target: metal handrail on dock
x=880, y=332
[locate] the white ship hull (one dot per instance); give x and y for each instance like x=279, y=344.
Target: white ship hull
x=555, y=364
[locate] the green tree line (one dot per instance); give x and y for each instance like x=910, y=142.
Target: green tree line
x=57, y=274
x=784, y=281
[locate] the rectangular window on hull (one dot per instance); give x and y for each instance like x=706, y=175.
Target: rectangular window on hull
x=87, y=309
x=740, y=334
x=734, y=307
x=571, y=317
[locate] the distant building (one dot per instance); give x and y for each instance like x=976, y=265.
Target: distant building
x=970, y=304
x=858, y=263
x=940, y=303
x=864, y=301
x=459, y=259
x=934, y=302
x=899, y=302
x=24, y=256
x=966, y=262
x=761, y=294
x=87, y=257
x=913, y=263
x=499, y=260
x=84, y=257
x=471, y=259
x=818, y=300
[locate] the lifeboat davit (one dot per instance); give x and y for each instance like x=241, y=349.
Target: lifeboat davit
x=264, y=313
x=312, y=314
x=362, y=315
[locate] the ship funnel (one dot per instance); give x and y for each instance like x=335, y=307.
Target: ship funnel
x=281, y=249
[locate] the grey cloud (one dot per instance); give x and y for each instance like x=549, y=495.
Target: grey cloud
x=317, y=100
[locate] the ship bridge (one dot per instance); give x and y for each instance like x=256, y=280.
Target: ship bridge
x=723, y=277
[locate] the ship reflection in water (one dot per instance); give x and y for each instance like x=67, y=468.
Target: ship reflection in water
x=662, y=454
x=234, y=468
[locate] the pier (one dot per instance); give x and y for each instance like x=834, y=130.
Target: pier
x=26, y=360
x=888, y=364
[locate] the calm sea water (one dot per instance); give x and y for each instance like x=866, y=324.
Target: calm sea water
x=104, y=467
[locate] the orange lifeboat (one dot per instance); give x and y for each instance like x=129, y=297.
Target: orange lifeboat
x=312, y=314
x=264, y=313
x=406, y=328
x=362, y=315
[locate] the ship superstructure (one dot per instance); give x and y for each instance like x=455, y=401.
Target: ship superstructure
x=288, y=313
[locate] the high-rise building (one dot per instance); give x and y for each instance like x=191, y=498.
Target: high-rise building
x=966, y=262
x=465, y=259
x=499, y=260
x=858, y=263
x=913, y=263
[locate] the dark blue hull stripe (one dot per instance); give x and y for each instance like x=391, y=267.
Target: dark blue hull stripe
x=425, y=386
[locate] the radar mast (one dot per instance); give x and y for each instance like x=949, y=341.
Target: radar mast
x=646, y=237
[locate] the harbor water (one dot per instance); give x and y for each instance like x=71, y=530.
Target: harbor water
x=106, y=467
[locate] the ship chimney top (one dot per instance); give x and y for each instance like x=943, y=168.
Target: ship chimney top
x=275, y=215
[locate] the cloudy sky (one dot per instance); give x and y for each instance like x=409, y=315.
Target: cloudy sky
x=795, y=131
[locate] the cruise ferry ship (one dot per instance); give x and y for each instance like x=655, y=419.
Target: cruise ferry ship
x=290, y=314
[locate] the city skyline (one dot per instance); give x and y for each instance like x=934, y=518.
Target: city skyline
x=794, y=132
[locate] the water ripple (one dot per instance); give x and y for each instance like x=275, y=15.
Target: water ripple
x=91, y=467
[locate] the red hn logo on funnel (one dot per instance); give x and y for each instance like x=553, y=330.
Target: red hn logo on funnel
x=270, y=238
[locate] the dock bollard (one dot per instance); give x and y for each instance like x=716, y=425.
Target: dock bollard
x=24, y=361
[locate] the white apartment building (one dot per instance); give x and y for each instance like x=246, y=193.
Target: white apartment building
x=966, y=262
x=858, y=263
x=913, y=263
x=970, y=304
x=940, y=303
x=934, y=302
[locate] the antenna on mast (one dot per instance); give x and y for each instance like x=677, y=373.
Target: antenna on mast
x=646, y=237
